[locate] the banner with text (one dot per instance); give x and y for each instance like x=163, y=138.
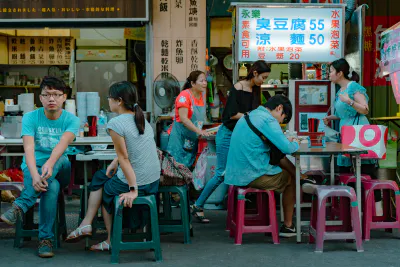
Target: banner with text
x=290, y=34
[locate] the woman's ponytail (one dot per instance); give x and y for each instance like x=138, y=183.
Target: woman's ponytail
x=139, y=118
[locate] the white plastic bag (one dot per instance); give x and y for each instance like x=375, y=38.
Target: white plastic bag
x=199, y=172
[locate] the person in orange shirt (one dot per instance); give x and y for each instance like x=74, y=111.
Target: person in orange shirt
x=190, y=112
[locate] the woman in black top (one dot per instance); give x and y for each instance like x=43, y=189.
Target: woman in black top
x=243, y=97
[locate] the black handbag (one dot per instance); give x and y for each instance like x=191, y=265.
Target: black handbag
x=275, y=154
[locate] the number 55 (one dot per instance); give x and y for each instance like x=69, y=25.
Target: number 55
x=313, y=25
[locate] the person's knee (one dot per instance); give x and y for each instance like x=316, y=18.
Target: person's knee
x=53, y=188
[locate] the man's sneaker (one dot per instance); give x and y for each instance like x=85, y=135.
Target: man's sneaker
x=287, y=231
x=45, y=249
x=10, y=217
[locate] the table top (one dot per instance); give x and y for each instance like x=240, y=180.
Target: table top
x=78, y=141
x=98, y=155
x=386, y=118
x=330, y=149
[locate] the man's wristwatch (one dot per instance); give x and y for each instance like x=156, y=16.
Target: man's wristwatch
x=133, y=188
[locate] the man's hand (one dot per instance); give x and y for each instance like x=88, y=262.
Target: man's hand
x=47, y=170
x=39, y=184
x=112, y=169
x=128, y=198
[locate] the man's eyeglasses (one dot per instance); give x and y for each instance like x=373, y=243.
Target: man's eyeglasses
x=55, y=96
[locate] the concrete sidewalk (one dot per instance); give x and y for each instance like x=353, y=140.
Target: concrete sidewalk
x=211, y=246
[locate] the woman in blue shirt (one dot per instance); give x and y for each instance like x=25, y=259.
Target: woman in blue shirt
x=351, y=108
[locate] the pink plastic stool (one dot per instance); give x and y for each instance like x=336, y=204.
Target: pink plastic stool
x=344, y=179
x=318, y=228
x=252, y=217
x=262, y=222
x=380, y=222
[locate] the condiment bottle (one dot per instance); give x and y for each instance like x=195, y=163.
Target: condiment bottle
x=86, y=130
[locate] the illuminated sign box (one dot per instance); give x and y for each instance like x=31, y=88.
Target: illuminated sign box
x=35, y=11
x=290, y=32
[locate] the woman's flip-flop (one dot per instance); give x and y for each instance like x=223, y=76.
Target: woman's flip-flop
x=78, y=234
x=195, y=212
x=103, y=246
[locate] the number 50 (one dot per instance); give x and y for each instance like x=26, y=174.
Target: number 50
x=314, y=39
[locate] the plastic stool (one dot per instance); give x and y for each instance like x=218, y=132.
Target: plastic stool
x=318, y=228
x=116, y=238
x=261, y=222
x=167, y=224
x=344, y=179
x=252, y=217
x=380, y=222
x=25, y=228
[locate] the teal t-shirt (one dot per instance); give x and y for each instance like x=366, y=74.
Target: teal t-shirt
x=47, y=133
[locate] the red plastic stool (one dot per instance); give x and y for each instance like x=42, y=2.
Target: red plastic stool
x=252, y=217
x=380, y=222
x=319, y=232
x=262, y=222
x=344, y=179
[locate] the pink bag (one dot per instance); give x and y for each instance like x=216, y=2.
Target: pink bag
x=369, y=137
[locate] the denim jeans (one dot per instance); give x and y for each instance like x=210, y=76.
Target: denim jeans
x=48, y=200
x=223, y=140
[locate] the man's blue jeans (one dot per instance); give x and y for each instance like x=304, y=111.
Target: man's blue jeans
x=223, y=140
x=48, y=200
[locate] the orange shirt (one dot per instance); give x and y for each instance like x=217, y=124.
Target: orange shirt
x=184, y=101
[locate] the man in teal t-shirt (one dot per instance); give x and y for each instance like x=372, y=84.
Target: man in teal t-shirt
x=46, y=133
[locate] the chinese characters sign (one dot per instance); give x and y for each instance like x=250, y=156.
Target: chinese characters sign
x=74, y=10
x=179, y=37
x=389, y=48
x=289, y=34
x=40, y=50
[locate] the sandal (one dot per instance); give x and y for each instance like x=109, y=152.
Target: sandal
x=196, y=213
x=103, y=246
x=78, y=234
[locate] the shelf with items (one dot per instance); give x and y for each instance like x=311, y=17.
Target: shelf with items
x=274, y=86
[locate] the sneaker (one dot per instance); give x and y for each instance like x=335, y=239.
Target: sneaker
x=10, y=217
x=287, y=231
x=45, y=249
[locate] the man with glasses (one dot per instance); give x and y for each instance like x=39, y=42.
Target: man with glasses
x=46, y=134
x=250, y=157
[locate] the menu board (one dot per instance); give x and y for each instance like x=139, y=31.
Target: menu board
x=40, y=50
x=290, y=34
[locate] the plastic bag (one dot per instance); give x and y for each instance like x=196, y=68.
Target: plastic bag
x=199, y=172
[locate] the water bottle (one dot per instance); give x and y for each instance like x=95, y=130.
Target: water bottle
x=102, y=125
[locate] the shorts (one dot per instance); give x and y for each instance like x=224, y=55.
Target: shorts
x=277, y=182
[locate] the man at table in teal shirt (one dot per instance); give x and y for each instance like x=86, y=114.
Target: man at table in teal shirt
x=249, y=157
x=46, y=133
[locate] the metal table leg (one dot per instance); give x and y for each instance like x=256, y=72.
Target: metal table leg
x=358, y=184
x=86, y=197
x=298, y=204
x=332, y=169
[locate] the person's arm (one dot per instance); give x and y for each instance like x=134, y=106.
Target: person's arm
x=183, y=116
x=237, y=116
x=360, y=103
x=126, y=166
x=70, y=132
x=28, y=137
x=29, y=147
x=273, y=131
x=58, y=151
